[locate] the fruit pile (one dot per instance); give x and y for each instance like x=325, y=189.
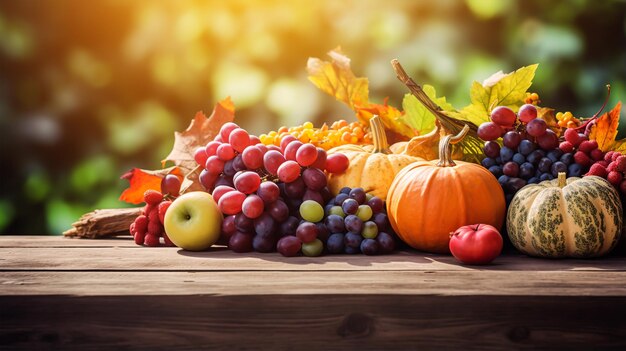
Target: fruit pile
x=339, y=133
x=530, y=151
x=310, y=191
x=272, y=198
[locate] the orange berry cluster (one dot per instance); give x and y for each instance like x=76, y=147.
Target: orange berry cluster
x=567, y=120
x=532, y=98
x=338, y=133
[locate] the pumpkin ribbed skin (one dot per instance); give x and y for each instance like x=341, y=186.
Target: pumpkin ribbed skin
x=427, y=202
x=371, y=168
x=583, y=218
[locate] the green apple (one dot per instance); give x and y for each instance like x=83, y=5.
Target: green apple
x=193, y=221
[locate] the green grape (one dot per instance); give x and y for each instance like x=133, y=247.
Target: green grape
x=313, y=248
x=336, y=210
x=364, y=212
x=368, y=196
x=311, y=211
x=370, y=230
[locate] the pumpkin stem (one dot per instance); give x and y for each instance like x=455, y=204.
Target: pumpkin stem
x=445, y=147
x=380, y=138
x=562, y=179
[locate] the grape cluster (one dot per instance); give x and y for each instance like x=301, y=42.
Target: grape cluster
x=358, y=223
x=529, y=151
x=260, y=189
x=338, y=133
x=147, y=228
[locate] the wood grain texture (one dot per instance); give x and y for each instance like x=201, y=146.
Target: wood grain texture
x=444, y=283
x=321, y=322
x=59, y=293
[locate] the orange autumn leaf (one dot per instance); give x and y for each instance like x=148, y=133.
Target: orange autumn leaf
x=335, y=77
x=604, y=130
x=142, y=180
x=201, y=130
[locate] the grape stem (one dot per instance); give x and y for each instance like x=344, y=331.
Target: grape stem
x=597, y=114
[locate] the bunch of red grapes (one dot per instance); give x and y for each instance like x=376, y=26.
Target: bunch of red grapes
x=529, y=151
x=260, y=188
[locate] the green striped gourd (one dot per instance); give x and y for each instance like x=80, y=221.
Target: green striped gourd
x=577, y=217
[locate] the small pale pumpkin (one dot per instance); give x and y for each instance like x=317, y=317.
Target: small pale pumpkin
x=371, y=168
x=573, y=217
x=430, y=199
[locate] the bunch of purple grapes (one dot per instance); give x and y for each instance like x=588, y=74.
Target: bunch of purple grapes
x=260, y=188
x=528, y=152
x=358, y=223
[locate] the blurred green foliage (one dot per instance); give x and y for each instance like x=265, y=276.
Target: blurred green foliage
x=90, y=89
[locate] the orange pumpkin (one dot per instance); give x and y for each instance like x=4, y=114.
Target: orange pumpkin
x=430, y=199
x=371, y=167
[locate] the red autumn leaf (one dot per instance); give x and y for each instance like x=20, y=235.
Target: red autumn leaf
x=142, y=180
x=201, y=130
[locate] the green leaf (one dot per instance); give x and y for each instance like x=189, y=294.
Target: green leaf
x=417, y=115
x=498, y=90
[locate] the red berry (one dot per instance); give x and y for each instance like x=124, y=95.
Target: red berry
x=603, y=163
x=152, y=197
x=566, y=147
x=131, y=229
x=620, y=164
x=609, y=156
x=597, y=155
x=139, y=238
x=587, y=146
x=163, y=206
x=147, y=209
x=151, y=240
x=622, y=187
x=571, y=135
x=167, y=240
x=153, y=216
x=141, y=224
x=612, y=167
x=582, y=159
x=614, y=178
x=597, y=170
x=155, y=228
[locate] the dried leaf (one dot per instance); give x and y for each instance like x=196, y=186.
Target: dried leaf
x=336, y=79
x=604, y=130
x=391, y=117
x=620, y=146
x=549, y=115
x=498, y=90
x=192, y=181
x=201, y=130
x=142, y=180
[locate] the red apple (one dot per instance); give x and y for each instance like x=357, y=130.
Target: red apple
x=476, y=244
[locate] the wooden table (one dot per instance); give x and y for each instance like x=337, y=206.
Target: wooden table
x=83, y=294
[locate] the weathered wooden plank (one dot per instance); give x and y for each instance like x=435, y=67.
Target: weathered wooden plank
x=453, y=283
x=322, y=322
x=51, y=241
x=220, y=259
